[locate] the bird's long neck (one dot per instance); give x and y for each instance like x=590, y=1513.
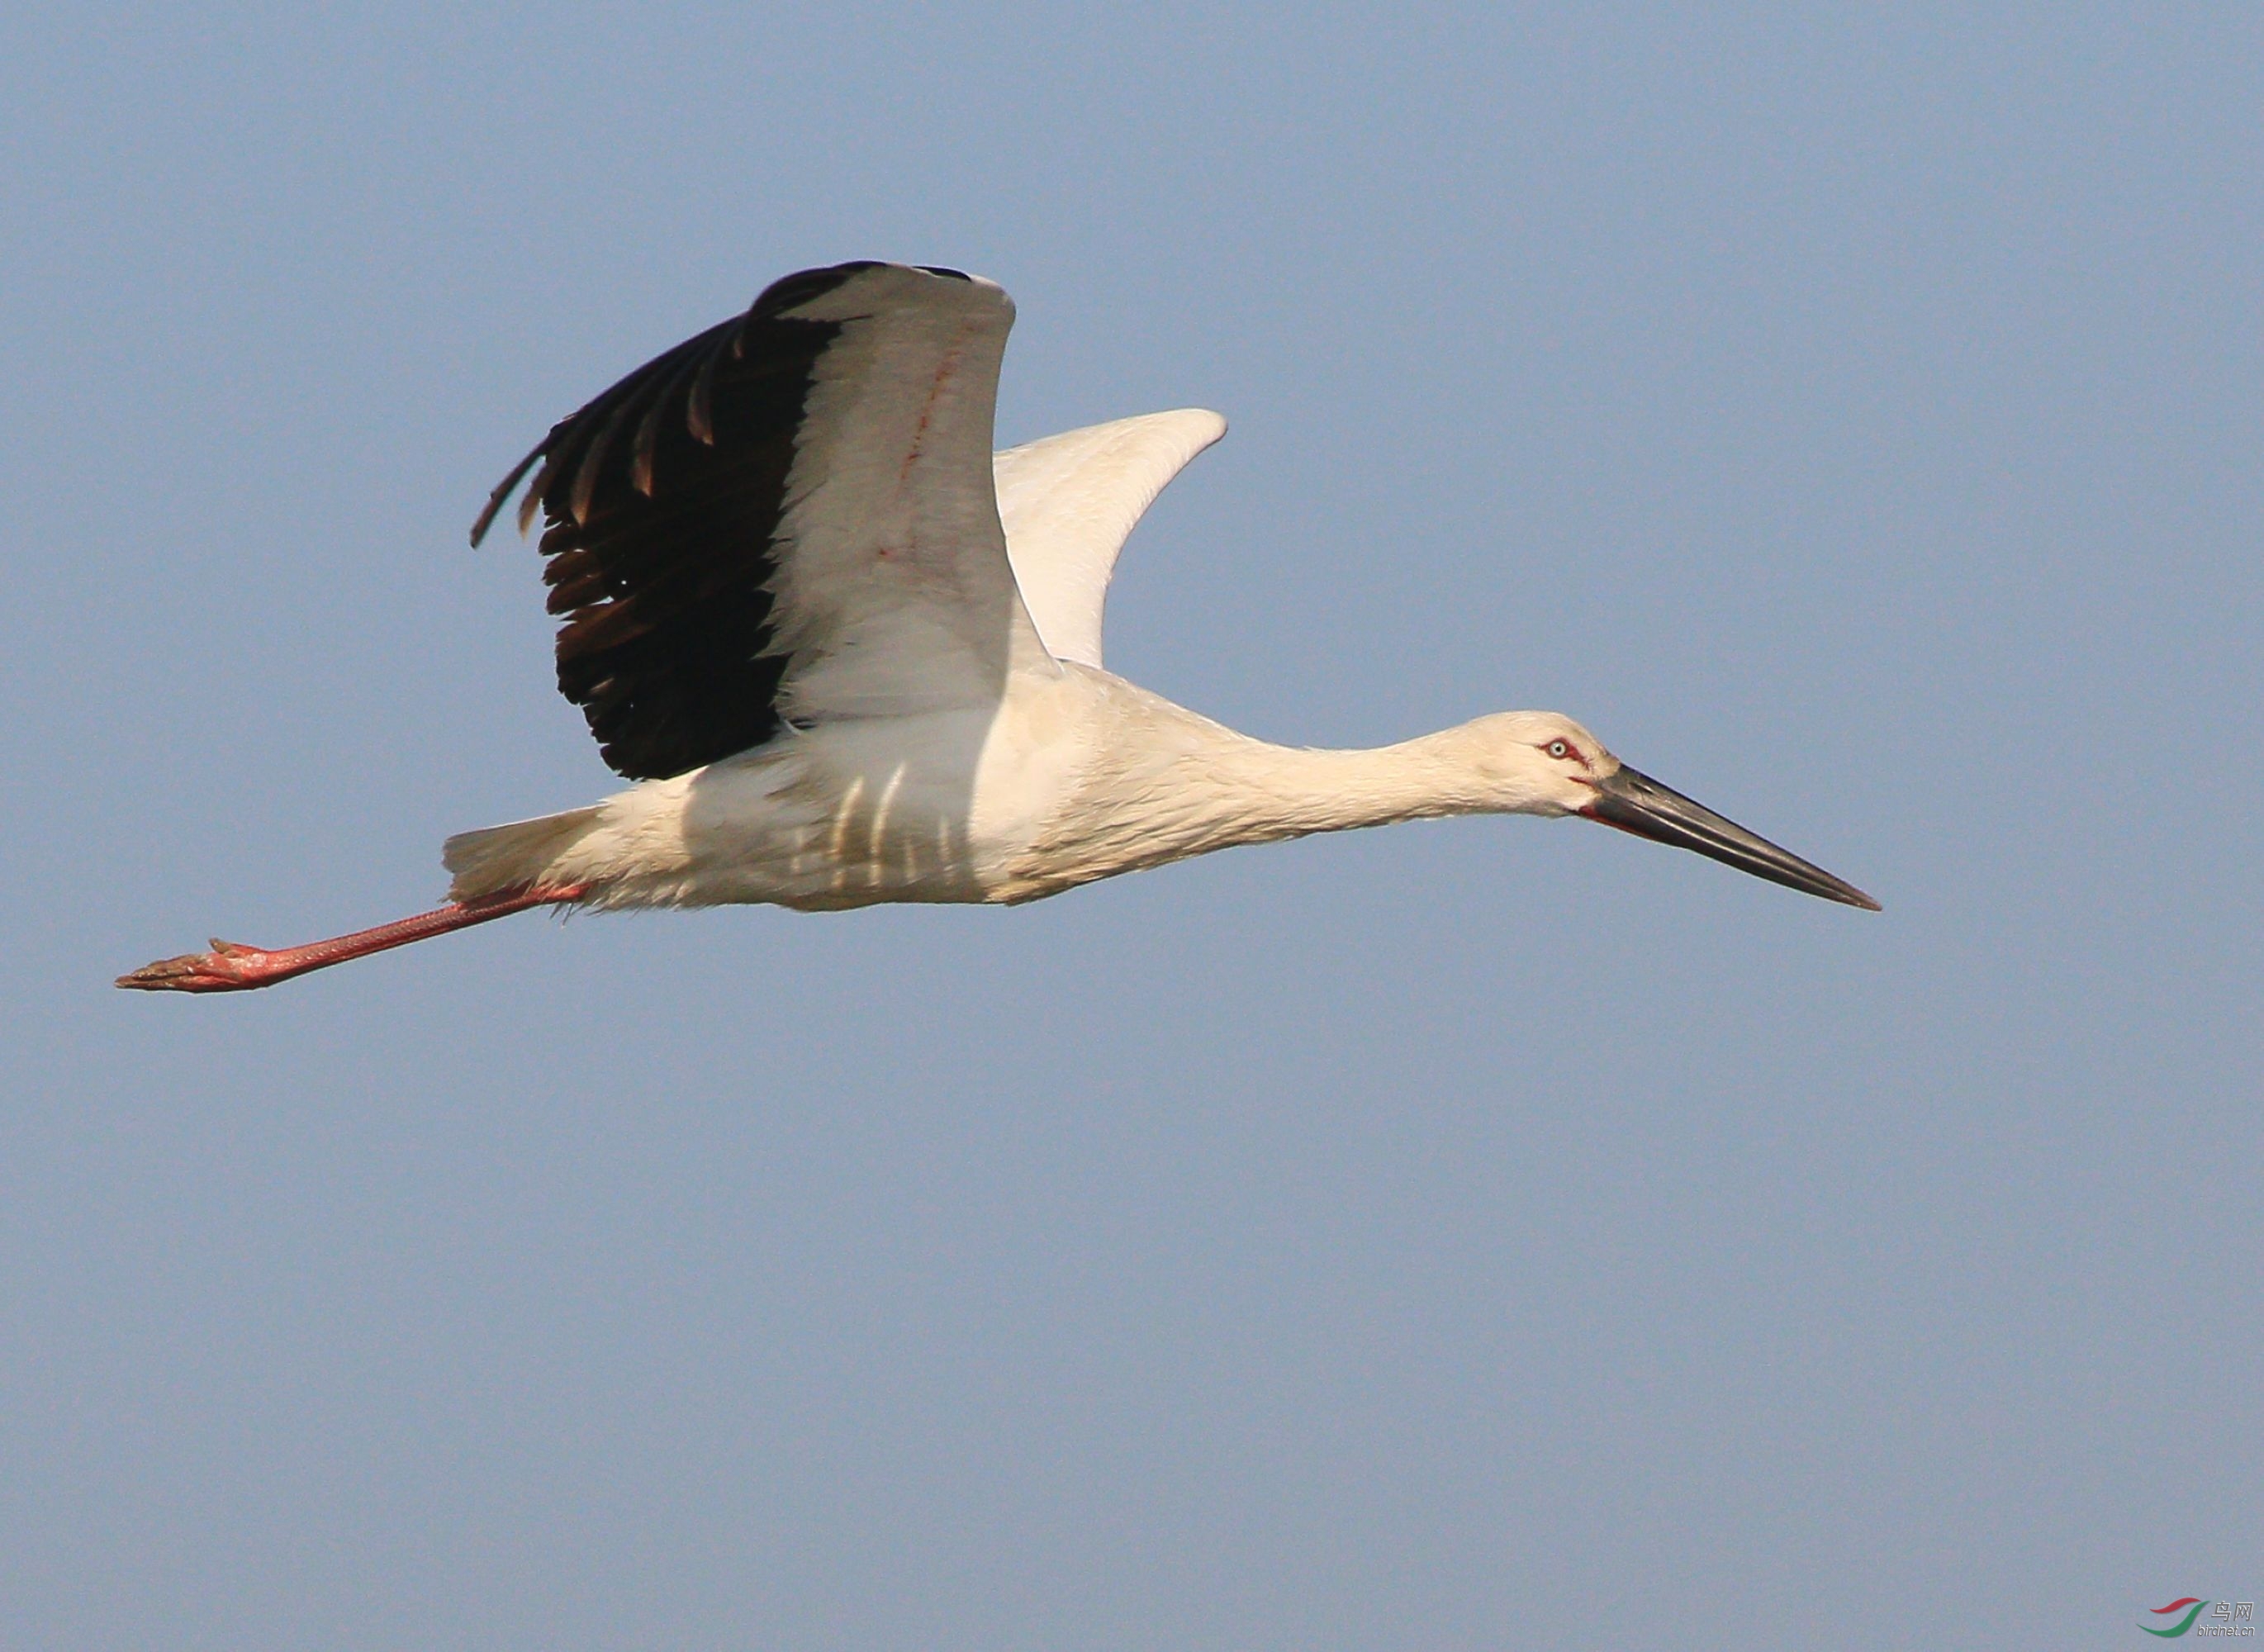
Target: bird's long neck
x=1164, y=783
x=1273, y=792
x=1179, y=785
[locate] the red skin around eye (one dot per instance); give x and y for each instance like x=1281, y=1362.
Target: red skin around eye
x=1573, y=753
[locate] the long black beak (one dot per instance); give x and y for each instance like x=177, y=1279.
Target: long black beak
x=1637, y=803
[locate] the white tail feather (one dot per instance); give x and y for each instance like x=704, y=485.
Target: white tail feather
x=495, y=858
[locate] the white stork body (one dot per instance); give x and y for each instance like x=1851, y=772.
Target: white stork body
x=852, y=656
x=1075, y=775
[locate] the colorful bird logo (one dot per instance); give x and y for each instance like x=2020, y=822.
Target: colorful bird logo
x=2190, y=1607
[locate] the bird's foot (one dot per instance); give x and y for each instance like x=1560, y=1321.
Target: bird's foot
x=230, y=967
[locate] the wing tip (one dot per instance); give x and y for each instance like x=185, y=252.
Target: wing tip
x=1212, y=421
x=502, y=491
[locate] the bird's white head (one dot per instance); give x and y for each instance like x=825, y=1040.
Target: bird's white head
x=1536, y=762
x=1543, y=763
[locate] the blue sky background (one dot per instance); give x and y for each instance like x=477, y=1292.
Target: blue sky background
x=1479, y=1235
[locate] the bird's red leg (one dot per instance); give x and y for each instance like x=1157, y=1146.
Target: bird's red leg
x=231, y=966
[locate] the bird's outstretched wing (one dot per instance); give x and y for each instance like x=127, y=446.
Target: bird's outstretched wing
x=789, y=517
x=1068, y=502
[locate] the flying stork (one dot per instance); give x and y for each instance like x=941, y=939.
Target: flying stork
x=850, y=655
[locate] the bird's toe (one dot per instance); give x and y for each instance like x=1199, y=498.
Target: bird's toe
x=226, y=968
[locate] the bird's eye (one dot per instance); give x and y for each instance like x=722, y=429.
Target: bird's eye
x=1559, y=749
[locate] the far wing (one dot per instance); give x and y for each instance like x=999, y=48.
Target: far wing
x=1068, y=502
x=787, y=517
